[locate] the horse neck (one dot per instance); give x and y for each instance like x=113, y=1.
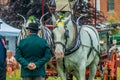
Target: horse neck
x=72, y=33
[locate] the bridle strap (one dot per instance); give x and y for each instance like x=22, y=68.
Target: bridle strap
x=64, y=47
x=61, y=44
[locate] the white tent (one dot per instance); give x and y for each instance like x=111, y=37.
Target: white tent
x=10, y=33
x=7, y=30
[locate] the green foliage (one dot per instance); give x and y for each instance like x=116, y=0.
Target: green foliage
x=115, y=31
x=112, y=20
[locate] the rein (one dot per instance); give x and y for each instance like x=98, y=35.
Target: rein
x=76, y=43
x=64, y=46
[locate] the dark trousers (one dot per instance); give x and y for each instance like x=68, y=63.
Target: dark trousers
x=3, y=74
x=33, y=78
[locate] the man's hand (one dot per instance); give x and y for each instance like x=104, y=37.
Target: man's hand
x=31, y=66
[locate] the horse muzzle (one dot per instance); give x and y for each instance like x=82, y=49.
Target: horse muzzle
x=59, y=55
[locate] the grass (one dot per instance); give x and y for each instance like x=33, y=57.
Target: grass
x=17, y=77
x=13, y=78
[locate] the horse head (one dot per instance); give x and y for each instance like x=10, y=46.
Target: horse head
x=23, y=32
x=60, y=35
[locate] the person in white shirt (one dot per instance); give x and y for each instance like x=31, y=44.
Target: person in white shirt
x=11, y=63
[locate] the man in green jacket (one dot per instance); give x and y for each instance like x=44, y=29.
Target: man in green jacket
x=32, y=53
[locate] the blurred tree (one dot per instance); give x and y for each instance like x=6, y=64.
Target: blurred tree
x=23, y=7
x=114, y=24
x=115, y=31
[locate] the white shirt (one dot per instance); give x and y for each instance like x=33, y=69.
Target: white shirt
x=9, y=61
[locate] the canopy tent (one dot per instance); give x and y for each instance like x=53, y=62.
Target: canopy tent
x=7, y=30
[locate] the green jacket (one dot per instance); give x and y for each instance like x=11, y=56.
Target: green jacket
x=33, y=49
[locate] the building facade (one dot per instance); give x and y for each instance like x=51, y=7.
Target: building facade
x=110, y=8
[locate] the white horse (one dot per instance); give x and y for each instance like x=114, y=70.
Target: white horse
x=44, y=32
x=23, y=32
x=75, y=49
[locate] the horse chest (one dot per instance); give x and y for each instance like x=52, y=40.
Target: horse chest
x=70, y=65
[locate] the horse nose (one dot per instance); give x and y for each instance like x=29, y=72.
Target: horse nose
x=58, y=55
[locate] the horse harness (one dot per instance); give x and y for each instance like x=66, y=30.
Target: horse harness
x=75, y=46
x=77, y=42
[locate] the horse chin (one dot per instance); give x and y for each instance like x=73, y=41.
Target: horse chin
x=59, y=55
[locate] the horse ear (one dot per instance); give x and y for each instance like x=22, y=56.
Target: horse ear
x=53, y=19
x=67, y=19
